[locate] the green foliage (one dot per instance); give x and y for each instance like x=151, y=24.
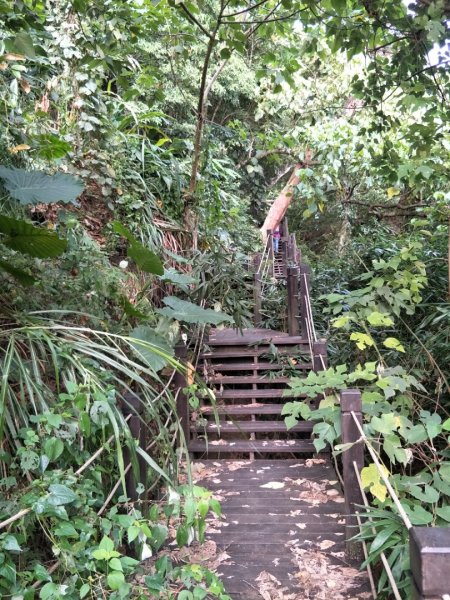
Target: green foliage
x=34, y=241
x=181, y=310
x=144, y=258
x=359, y=87
x=152, y=347
x=31, y=187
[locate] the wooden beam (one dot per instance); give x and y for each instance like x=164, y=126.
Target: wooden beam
x=292, y=298
x=305, y=287
x=132, y=405
x=320, y=358
x=429, y=549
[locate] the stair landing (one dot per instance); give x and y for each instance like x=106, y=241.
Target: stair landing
x=282, y=532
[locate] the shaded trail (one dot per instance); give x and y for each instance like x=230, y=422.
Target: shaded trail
x=282, y=530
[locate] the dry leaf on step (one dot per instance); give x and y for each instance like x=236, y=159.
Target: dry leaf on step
x=273, y=485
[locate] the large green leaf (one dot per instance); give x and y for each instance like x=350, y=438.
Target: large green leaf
x=50, y=146
x=24, y=44
x=181, y=279
x=32, y=187
x=20, y=275
x=144, y=258
x=60, y=495
x=181, y=310
x=153, y=348
x=35, y=241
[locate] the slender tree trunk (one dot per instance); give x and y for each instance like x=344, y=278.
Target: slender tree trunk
x=201, y=116
x=281, y=203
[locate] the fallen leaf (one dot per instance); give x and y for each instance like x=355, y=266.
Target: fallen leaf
x=19, y=148
x=326, y=544
x=13, y=57
x=273, y=485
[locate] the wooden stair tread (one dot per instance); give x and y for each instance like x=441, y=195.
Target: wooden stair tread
x=236, y=379
x=253, y=426
x=259, y=366
x=258, y=446
x=243, y=409
x=243, y=353
x=245, y=340
x=271, y=393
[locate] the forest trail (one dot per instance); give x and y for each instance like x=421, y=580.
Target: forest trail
x=282, y=532
x=248, y=371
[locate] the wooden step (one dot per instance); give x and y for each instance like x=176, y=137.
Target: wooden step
x=241, y=394
x=247, y=352
x=236, y=379
x=276, y=340
x=256, y=408
x=259, y=366
x=253, y=427
x=257, y=446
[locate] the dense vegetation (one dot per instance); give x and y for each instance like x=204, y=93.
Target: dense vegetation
x=141, y=146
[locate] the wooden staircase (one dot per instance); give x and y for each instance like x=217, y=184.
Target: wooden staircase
x=279, y=266
x=248, y=373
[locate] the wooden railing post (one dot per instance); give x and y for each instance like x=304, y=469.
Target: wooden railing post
x=132, y=405
x=351, y=402
x=304, y=289
x=293, y=253
x=320, y=358
x=292, y=298
x=270, y=238
x=182, y=402
x=429, y=549
x=285, y=251
x=284, y=228
x=257, y=291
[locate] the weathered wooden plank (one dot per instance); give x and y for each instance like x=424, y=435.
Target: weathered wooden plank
x=314, y=533
x=243, y=409
x=257, y=366
x=253, y=426
x=245, y=351
x=264, y=339
x=266, y=529
x=267, y=446
x=241, y=394
x=246, y=379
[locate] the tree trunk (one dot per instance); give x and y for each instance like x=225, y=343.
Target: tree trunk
x=281, y=203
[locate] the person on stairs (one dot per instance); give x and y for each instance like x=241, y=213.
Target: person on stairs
x=276, y=239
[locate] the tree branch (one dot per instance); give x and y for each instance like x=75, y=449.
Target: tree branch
x=266, y=153
x=384, y=206
x=267, y=20
x=245, y=10
x=194, y=20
